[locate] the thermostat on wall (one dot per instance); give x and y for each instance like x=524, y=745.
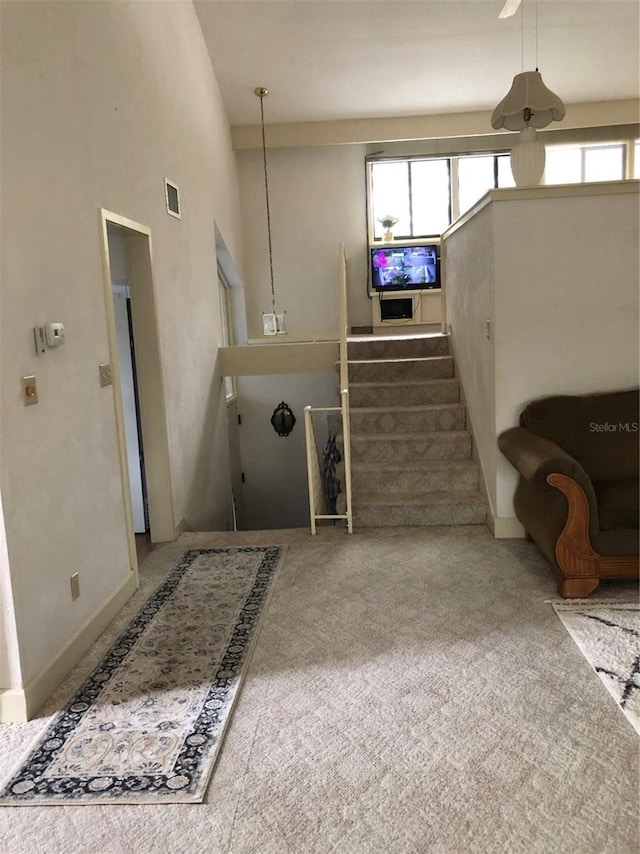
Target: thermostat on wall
x=55, y=334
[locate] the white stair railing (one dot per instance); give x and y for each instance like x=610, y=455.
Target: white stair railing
x=314, y=476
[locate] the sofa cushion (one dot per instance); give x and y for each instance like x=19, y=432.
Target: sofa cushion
x=599, y=430
x=618, y=504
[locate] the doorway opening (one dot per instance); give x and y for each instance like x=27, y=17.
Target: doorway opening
x=138, y=388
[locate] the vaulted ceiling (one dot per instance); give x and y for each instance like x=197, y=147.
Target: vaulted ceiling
x=327, y=60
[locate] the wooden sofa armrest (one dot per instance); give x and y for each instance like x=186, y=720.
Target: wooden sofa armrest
x=580, y=565
x=576, y=558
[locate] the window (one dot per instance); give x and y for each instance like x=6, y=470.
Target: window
x=427, y=194
x=577, y=164
x=479, y=173
x=416, y=192
x=226, y=316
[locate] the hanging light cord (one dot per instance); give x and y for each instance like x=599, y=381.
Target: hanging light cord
x=261, y=92
x=522, y=34
x=522, y=37
x=536, y=35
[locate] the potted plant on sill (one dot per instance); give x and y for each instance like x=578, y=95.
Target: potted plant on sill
x=387, y=222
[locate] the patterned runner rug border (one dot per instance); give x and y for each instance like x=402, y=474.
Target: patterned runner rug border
x=162, y=592
x=625, y=689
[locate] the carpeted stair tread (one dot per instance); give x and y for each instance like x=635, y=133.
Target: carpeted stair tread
x=434, y=445
x=401, y=360
x=425, y=467
x=412, y=476
x=420, y=407
x=404, y=392
x=408, y=437
x=408, y=419
x=420, y=509
x=424, y=499
x=409, y=384
x=383, y=347
x=394, y=370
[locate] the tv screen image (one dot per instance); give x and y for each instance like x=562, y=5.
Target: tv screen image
x=397, y=268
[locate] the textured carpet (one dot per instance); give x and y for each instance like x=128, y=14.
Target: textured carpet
x=148, y=723
x=410, y=692
x=608, y=633
x=410, y=449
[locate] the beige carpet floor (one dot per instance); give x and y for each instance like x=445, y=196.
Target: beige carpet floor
x=411, y=691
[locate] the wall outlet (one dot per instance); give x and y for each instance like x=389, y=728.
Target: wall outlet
x=105, y=374
x=75, y=585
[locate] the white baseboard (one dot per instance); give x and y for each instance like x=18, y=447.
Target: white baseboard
x=181, y=528
x=21, y=704
x=506, y=528
x=13, y=706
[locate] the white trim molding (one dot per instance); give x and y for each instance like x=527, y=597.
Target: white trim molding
x=506, y=528
x=19, y=705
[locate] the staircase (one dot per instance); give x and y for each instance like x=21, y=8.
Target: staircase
x=410, y=450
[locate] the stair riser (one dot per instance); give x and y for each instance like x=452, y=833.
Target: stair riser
x=454, y=447
x=444, y=391
x=370, y=372
x=411, y=482
x=407, y=422
x=399, y=349
x=413, y=517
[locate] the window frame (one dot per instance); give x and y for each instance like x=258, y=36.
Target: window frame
x=226, y=328
x=630, y=153
x=454, y=200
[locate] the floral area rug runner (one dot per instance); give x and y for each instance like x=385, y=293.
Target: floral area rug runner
x=148, y=723
x=608, y=634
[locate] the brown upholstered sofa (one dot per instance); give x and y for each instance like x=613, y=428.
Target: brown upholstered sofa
x=577, y=495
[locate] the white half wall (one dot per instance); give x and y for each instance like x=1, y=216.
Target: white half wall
x=468, y=276
x=101, y=102
x=555, y=270
x=566, y=282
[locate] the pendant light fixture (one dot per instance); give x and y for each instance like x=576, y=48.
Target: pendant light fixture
x=528, y=105
x=272, y=322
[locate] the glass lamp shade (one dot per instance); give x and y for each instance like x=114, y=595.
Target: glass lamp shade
x=528, y=104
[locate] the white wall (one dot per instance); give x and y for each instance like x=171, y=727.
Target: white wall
x=556, y=271
x=566, y=304
x=275, y=490
x=317, y=201
x=101, y=101
x=468, y=268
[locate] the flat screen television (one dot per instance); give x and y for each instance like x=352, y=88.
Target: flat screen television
x=405, y=268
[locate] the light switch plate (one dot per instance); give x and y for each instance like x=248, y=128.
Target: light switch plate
x=75, y=585
x=40, y=339
x=29, y=390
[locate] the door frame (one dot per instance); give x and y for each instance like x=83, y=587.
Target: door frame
x=153, y=420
